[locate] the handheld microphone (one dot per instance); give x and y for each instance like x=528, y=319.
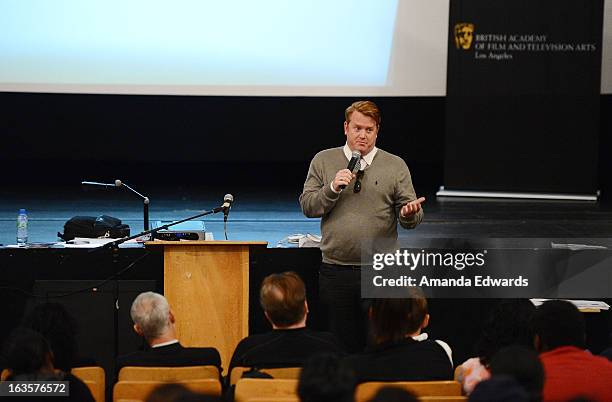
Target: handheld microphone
x=352, y=163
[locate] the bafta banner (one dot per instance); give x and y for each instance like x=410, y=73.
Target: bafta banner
x=523, y=91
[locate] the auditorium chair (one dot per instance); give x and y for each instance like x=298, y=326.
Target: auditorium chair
x=168, y=374
x=367, y=390
x=275, y=399
x=138, y=391
x=249, y=388
x=421, y=399
x=95, y=379
x=5, y=374
x=286, y=373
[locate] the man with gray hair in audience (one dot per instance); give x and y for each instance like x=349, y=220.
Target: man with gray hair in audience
x=154, y=321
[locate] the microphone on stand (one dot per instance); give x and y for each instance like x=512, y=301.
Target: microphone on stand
x=119, y=183
x=228, y=199
x=352, y=163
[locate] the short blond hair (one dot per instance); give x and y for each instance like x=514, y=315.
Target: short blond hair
x=367, y=108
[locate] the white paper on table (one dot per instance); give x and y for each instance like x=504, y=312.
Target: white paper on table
x=580, y=304
x=83, y=242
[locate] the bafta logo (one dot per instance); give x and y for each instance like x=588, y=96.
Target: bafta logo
x=464, y=34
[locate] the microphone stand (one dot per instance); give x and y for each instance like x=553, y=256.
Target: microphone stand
x=119, y=183
x=115, y=244
x=145, y=202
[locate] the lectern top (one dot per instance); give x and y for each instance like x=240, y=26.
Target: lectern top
x=206, y=243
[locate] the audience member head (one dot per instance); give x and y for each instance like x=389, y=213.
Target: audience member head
x=326, y=378
x=558, y=323
x=28, y=354
x=392, y=320
x=499, y=389
x=523, y=365
x=59, y=328
x=510, y=323
x=167, y=393
x=393, y=394
x=283, y=299
x=153, y=318
x=178, y=393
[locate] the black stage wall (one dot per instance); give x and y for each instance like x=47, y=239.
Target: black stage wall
x=238, y=141
x=265, y=141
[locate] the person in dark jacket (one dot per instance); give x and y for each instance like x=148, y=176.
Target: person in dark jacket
x=154, y=320
x=29, y=358
x=290, y=343
x=399, y=350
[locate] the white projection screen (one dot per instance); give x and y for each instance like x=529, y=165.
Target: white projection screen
x=212, y=47
x=238, y=47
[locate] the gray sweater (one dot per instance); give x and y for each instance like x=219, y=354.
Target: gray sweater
x=349, y=218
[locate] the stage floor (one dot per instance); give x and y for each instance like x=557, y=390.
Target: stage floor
x=273, y=215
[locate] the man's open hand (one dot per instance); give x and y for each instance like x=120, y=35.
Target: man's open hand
x=411, y=208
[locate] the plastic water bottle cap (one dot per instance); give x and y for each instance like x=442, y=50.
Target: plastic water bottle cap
x=22, y=211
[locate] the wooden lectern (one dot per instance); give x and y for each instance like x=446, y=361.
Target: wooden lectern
x=207, y=286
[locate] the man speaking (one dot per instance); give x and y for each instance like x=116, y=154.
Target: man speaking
x=365, y=203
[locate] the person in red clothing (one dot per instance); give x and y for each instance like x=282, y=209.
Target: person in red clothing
x=569, y=370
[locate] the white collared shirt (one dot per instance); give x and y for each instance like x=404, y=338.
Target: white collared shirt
x=159, y=345
x=365, y=161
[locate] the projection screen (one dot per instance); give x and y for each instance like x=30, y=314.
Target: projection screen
x=242, y=47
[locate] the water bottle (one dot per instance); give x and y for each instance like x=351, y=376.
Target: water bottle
x=22, y=227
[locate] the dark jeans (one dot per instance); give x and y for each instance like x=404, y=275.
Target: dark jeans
x=341, y=304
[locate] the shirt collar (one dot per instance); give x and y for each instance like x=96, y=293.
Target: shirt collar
x=367, y=158
x=159, y=345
